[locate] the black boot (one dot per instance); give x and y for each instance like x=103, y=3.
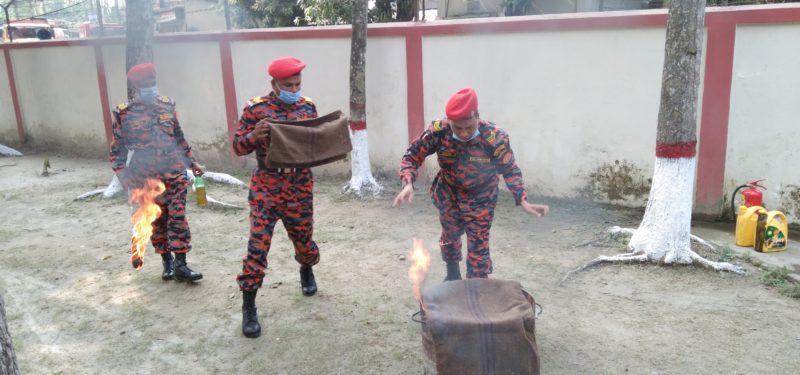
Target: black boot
x=453, y=272
x=182, y=271
x=169, y=267
x=250, y=326
x=307, y=281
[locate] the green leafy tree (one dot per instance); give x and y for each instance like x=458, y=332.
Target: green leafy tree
x=327, y=12
x=519, y=7
x=249, y=14
x=393, y=11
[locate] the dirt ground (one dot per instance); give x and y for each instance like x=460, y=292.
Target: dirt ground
x=75, y=305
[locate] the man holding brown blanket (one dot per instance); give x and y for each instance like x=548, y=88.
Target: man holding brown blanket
x=284, y=194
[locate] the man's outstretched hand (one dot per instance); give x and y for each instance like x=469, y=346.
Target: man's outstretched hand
x=405, y=196
x=538, y=210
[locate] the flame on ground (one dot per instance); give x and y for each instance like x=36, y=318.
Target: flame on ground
x=421, y=260
x=143, y=218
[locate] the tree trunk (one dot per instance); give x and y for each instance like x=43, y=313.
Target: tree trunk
x=664, y=234
x=138, y=35
x=361, y=180
x=8, y=360
x=100, y=19
x=8, y=23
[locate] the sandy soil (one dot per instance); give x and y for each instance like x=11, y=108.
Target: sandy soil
x=75, y=305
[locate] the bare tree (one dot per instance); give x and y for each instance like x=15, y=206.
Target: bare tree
x=8, y=360
x=361, y=181
x=138, y=35
x=664, y=234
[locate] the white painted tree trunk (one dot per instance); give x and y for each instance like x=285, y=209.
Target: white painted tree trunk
x=361, y=182
x=664, y=234
x=8, y=151
x=115, y=187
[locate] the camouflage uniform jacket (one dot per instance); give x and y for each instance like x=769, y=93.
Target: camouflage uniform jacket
x=262, y=107
x=155, y=136
x=469, y=168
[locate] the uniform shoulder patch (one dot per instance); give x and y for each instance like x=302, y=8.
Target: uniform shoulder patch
x=491, y=136
x=165, y=99
x=499, y=150
x=122, y=106
x=308, y=100
x=255, y=100
x=438, y=126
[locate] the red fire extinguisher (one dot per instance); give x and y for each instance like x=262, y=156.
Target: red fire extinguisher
x=751, y=196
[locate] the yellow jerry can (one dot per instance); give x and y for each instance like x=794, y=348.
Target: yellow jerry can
x=746, y=222
x=772, y=232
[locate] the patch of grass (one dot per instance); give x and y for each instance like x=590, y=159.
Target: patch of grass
x=778, y=277
x=791, y=291
x=725, y=254
x=753, y=261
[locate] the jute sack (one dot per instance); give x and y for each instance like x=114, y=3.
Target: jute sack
x=479, y=326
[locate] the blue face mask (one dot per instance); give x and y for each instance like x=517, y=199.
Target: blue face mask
x=289, y=97
x=477, y=133
x=148, y=94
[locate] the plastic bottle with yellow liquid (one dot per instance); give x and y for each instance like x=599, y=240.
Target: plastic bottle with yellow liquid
x=200, y=190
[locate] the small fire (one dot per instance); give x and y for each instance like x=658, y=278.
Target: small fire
x=143, y=218
x=421, y=260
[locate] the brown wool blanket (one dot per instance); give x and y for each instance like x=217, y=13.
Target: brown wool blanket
x=308, y=143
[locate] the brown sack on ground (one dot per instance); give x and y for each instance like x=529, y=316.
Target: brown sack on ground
x=479, y=326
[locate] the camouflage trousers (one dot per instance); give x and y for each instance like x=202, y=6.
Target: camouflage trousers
x=171, y=230
x=460, y=213
x=275, y=196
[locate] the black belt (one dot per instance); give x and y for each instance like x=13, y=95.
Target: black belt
x=263, y=166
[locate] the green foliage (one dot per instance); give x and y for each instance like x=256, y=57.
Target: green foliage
x=392, y=11
x=266, y=13
x=519, y=7
x=248, y=14
x=327, y=12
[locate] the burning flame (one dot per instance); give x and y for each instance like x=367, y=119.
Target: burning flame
x=421, y=260
x=143, y=218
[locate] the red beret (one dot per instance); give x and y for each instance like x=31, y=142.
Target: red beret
x=285, y=67
x=141, y=72
x=462, y=105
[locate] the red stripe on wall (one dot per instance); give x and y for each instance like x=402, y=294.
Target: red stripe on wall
x=229, y=90
x=414, y=87
x=102, y=84
x=14, y=98
x=714, y=120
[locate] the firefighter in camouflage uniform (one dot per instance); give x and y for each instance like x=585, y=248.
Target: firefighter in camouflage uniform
x=148, y=126
x=471, y=153
x=276, y=193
